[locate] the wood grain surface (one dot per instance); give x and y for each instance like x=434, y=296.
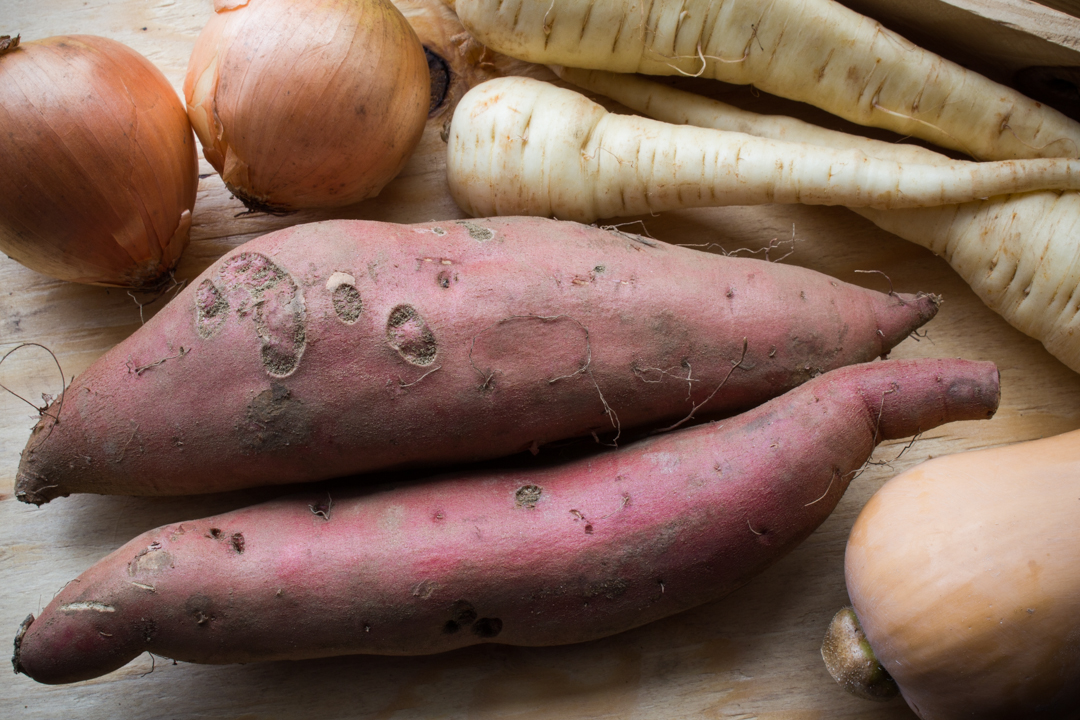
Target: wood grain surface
x=754, y=654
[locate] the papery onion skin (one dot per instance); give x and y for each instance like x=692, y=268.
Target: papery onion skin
x=98, y=165
x=307, y=103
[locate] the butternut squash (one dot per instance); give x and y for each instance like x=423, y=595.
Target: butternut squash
x=964, y=575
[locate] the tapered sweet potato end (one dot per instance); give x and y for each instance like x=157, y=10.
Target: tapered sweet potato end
x=34, y=490
x=34, y=484
x=16, y=658
x=900, y=314
x=928, y=393
x=58, y=648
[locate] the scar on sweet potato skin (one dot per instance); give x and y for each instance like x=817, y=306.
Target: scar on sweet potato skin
x=275, y=421
x=269, y=295
x=409, y=334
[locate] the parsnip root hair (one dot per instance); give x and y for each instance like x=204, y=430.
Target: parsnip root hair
x=815, y=51
x=1019, y=253
x=520, y=146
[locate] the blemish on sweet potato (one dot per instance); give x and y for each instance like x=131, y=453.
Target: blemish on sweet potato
x=347, y=303
x=476, y=232
x=237, y=543
x=150, y=559
x=487, y=627
x=275, y=420
x=148, y=630
x=211, y=309
x=92, y=606
x=407, y=333
x=462, y=613
x=199, y=608
x=527, y=496
x=279, y=313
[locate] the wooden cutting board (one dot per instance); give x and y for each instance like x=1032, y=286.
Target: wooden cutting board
x=754, y=654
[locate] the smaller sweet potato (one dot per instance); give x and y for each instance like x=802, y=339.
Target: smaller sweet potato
x=536, y=557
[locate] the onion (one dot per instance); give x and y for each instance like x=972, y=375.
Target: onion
x=98, y=166
x=307, y=103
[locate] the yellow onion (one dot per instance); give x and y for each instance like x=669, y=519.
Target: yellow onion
x=307, y=103
x=98, y=166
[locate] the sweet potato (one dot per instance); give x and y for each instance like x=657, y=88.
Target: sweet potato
x=541, y=556
x=342, y=347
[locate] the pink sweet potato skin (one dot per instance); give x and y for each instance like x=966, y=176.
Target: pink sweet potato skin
x=343, y=347
x=528, y=557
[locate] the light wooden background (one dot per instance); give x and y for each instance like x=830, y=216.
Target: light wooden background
x=751, y=655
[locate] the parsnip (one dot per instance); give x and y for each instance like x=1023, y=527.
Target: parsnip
x=816, y=51
x=1018, y=253
x=520, y=146
x=679, y=107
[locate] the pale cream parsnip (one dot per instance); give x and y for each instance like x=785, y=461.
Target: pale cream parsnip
x=815, y=51
x=520, y=146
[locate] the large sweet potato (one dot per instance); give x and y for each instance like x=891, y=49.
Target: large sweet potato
x=541, y=556
x=341, y=347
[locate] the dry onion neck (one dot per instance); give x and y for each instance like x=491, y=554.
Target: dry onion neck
x=441, y=79
x=8, y=43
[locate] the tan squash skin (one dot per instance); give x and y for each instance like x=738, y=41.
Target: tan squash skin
x=965, y=575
